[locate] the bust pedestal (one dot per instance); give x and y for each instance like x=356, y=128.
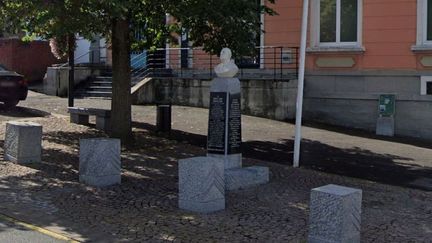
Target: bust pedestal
x=224, y=131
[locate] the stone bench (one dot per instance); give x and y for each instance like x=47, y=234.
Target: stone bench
x=23, y=142
x=79, y=115
x=201, y=184
x=335, y=214
x=100, y=162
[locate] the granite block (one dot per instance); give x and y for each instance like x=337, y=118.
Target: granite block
x=201, y=184
x=231, y=161
x=224, y=132
x=23, y=142
x=335, y=214
x=246, y=177
x=100, y=162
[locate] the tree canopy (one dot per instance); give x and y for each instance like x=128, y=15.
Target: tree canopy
x=211, y=24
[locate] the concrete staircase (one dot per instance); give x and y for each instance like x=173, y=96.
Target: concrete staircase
x=97, y=87
x=101, y=86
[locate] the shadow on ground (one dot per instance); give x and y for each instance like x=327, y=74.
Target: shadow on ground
x=144, y=207
x=353, y=162
x=21, y=112
x=145, y=201
x=418, y=142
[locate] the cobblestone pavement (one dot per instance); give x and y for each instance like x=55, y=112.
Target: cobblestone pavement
x=144, y=207
x=397, y=161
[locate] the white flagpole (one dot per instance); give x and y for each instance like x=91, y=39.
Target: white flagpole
x=299, y=108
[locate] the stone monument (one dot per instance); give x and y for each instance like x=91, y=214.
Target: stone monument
x=23, y=142
x=224, y=129
x=224, y=133
x=335, y=214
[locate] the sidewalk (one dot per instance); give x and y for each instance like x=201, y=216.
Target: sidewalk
x=144, y=207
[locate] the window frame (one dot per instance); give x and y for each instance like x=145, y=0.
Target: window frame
x=316, y=26
x=422, y=23
x=424, y=80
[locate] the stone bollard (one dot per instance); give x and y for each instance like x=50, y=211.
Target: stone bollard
x=335, y=214
x=100, y=163
x=23, y=142
x=201, y=184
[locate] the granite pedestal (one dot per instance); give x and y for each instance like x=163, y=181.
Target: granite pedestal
x=224, y=131
x=201, y=184
x=335, y=214
x=239, y=178
x=23, y=142
x=100, y=163
x=224, y=135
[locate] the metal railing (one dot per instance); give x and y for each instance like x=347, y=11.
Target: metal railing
x=270, y=62
x=89, y=57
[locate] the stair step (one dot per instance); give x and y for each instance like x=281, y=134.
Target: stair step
x=100, y=83
x=100, y=88
x=94, y=94
x=103, y=78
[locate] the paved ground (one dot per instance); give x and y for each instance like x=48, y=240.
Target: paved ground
x=13, y=233
x=398, y=161
x=144, y=207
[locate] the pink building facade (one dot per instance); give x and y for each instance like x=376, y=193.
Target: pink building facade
x=358, y=50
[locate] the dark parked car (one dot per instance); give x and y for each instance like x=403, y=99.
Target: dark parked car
x=13, y=87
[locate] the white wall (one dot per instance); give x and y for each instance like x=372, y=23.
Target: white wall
x=82, y=49
x=82, y=54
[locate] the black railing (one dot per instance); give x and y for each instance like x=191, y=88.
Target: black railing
x=276, y=63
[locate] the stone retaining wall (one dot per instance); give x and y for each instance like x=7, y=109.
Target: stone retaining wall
x=57, y=79
x=351, y=100
x=263, y=98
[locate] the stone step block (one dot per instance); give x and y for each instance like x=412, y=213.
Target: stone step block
x=246, y=177
x=100, y=162
x=23, y=142
x=201, y=184
x=335, y=214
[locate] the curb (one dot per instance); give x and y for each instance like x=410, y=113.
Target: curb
x=37, y=229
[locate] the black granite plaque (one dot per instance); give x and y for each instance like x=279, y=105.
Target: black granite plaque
x=217, y=123
x=234, y=124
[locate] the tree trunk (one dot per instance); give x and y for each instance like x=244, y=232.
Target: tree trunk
x=121, y=120
x=71, y=55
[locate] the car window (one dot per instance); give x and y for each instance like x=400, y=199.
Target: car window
x=2, y=68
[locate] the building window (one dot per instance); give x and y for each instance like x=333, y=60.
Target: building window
x=428, y=20
x=426, y=85
x=424, y=25
x=336, y=23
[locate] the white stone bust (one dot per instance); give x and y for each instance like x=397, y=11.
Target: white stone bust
x=227, y=68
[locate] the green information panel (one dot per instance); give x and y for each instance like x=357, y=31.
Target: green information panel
x=387, y=105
